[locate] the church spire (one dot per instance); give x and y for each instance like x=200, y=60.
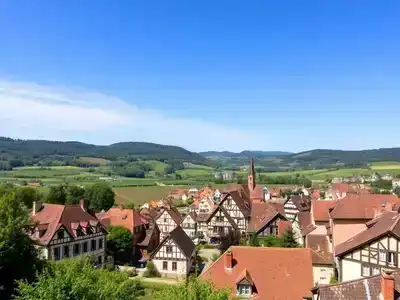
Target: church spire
x=251, y=180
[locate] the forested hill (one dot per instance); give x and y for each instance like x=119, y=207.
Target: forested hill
x=27, y=152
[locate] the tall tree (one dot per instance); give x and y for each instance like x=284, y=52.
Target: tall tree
x=192, y=289
x=18, y=257
x=289, y=239
x=254, y=240
x=57, y=194
x=74, y=194
x=119, y=242
x=28, y=195
x=100, y=196
x=76, y=279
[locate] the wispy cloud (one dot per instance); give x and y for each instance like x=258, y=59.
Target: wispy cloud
x=33, y=111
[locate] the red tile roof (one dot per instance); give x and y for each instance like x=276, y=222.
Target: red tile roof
x=362, y=206
x=320, y=245
x=277, y=273
x=128, y=218
x=261, y=215
x=283, y=226
x=52, y=217
x=386, y=223
x=320, y=209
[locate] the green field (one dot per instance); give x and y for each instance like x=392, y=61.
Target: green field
x=93, y=160
x=141, y=195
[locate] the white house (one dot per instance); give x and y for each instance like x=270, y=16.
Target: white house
x=295, y=204
x=175, y=256
x=189, y=224
x=64, y=231
x=167, y=220
x=370, y=251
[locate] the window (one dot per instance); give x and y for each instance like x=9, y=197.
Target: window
x=244, y=289
x=392, y=258
x=89, y=230
x=76, y=249
x=165, y=220
x=174, y=266
x=85, y=247
x=60, y=234
x=382, y=255
x=229, y=202
x=165, y=228
x=93, y=245
x=375, y=271
x=169, y=249
x=66, y=251
x=220, y=229
x=100, y=243
x=79, y=231
x=215, y=229
x=220, y=219
x=57, y=253
x=165, y=265
x=366, y=270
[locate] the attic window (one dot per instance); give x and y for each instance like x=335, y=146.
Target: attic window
x=124, y=217
x=244, y=289
x=60, y=234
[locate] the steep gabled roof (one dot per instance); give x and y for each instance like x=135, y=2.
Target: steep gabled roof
x=277, y=273
x=362, y=207
x=321, y=253
x=226, y=214
x=242, y=203
x=127, y=218
x=386, y=223
x=261, y=215
x=173, y=212
x=51, y=217
x=302, y=203
x=182, y=241
x=320, y=209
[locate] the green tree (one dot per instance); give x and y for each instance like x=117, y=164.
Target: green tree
x=74, y=194
x=271, y=241
x=119, y=242
x=57, y=194
x=254, y=240
x=397, y=191
x=151, y=270
x=289, y=239
x=192, y=289
x=100, y=196
x=28, y=195
x=18, y=257
x=76, y=279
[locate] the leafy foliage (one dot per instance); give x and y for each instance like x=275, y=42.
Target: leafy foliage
x=18, y=257
x=231, y=238
x=28, y=195
x=289, y=239
x=76, y=279
x=57, y=194
x=192, y=289
x=74, y=194
x=119, y=242
x=100, y=196
x=151, y=270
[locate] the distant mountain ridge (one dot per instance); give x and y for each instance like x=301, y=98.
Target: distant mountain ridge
x=245, y=153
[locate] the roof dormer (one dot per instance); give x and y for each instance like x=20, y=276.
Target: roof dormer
x=244, y=284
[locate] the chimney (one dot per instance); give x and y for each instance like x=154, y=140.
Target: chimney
x=36, y=207
x=387, y=285
x=84, y=204
x=228, y=260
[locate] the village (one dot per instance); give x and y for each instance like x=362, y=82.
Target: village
x=341, y=243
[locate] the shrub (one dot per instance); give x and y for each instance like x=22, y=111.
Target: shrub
x=209, y=246
x=215, y=256
x=151, y=270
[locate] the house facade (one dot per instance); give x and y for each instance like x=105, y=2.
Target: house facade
x=64, y=231
x=189, y=225
x=296, y=204
x=167, y=220
x=175, y=256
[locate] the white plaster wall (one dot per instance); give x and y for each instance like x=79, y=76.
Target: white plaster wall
x=351, y=270
x=322, y=274
x=181, y=270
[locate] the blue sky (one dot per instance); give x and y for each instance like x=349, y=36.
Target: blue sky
x=206, y=75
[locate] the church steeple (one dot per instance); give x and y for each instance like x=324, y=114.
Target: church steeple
x=251, y=179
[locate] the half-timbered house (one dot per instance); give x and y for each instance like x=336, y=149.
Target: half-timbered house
x=375, y=248
x=265, y=218
x=63, y=231
x=295, y=204
x=175, y=255
x=189, y=224
x=167, y=220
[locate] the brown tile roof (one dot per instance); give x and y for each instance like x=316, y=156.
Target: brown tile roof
x=127, y=218
x=320, y=245
x=277, y=273
x=261, y=215
x=386, y=223
x=181, y=239
x=302, y=203
x=362, y=206
x=150, y=231
x=52, y=217
x=305, y=222
x=341, y=187
x=241, y=202
x=320, y=209
x=172, y=211
x=369, y=288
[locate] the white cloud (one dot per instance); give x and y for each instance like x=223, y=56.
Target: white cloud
x=32, y=111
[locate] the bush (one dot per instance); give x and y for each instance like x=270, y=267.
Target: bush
x=209, y=246
x=131, y=273
x=151, y=270
x=215, y=256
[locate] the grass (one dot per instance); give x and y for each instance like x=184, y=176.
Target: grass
x=141, y=195
x=194, y=166
x=157, y=166
x=94, y=160
x=150, y=287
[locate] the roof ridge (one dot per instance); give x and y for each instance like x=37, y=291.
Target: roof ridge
x=395, y=223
